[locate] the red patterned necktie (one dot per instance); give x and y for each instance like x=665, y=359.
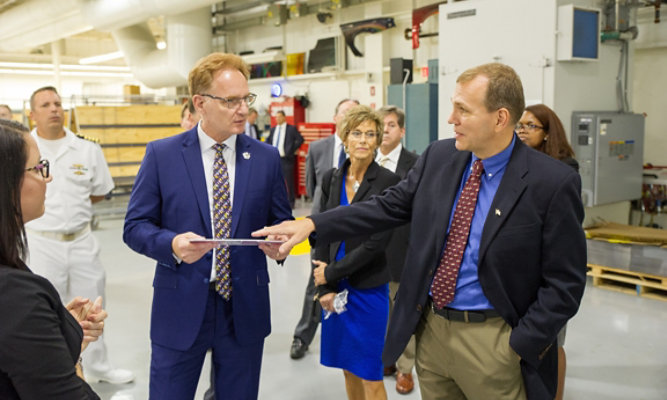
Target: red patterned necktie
x=444, y=283
x=222, y=218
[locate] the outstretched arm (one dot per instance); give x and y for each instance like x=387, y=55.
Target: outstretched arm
x=293, y=232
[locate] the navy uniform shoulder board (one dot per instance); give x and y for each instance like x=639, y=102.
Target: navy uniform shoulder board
x=88, y=138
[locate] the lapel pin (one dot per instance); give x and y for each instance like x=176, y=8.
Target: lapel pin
x=498, y=212
x=246, y=155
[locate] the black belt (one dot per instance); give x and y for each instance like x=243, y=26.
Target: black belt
x=465, y=316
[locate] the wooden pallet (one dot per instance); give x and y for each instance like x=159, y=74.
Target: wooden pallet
x=637, y=283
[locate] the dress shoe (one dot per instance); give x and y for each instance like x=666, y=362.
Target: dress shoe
x=404, y=383
x=115, y=376
x=298, y=350
x=389, y=371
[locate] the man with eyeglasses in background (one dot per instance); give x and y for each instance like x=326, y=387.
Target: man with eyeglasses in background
x=209, y=182
x=287, y=139
x=62, y=247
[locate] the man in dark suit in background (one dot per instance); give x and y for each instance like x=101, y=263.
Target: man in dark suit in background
x=210, y=181
x=393, y=156
x=323, y=155
x=497, y=257
x=250, y=125
x=287, y=139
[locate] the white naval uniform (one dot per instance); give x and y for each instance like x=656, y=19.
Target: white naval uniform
x=62, y=248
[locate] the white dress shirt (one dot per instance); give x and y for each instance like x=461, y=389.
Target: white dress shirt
x=338, y=144
x=282, y=129
x=389, y=161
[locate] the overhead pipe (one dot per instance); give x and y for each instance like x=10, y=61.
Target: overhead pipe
x=188, y=39
x=38, y=22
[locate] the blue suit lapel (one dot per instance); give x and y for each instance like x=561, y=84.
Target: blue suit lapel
x=195, y=169
x=449, y=184
x=511, y=187
x=243, y=167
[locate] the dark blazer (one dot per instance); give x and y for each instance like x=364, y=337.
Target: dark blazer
x=364, y=263
x=293, y=141
x=532, y=256
x=254, y=132
x=40, y=341
x=398, y=245
x=318, y=161
x=169, y=197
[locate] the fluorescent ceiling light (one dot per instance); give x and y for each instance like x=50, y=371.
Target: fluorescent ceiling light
x=63, y=67
x=99, y=74
x=101, y=58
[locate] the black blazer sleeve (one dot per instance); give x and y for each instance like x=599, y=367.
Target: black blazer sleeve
x=41, y=341
x=322, y=251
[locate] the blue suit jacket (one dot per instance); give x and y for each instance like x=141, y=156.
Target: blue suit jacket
x=532, y=255
x=169, y=197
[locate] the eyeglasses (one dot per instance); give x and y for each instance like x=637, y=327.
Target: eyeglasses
x=369, y=135
x=233, y=102
x=527, y=127
x=42, y=167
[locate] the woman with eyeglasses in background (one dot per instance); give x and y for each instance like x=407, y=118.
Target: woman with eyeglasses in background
x=353, y=340
x=541, y=129
x=40, y=339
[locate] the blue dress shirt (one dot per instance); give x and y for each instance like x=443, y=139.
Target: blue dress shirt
x=469, y=294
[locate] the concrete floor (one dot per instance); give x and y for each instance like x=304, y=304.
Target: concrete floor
x=615, y=345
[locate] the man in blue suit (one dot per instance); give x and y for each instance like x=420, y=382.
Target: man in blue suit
x=208, y=182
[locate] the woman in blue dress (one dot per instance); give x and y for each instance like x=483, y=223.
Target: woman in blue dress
x=353, y=340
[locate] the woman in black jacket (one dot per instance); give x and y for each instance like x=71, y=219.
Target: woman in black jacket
x=353, y=340
x=40, y=340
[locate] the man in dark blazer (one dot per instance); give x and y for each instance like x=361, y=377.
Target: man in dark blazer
x=393, y=156
x=287, y=139
x=175, y=203
x=250, y=125
x=323, y=155
x=523, y=268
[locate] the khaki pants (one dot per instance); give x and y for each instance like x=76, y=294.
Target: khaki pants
x=406, y=361
x=459, y=360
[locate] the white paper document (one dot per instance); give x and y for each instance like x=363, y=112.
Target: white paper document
x=237, y=242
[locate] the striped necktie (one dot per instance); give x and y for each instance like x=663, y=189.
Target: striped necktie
x=222, y=218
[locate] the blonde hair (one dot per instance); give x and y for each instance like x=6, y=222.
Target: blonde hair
x=358, y=115
x=503, y=91
x=201, y=76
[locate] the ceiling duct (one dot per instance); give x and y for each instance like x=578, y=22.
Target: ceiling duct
x=188, y=39
x=37, y=22
x=33, y=23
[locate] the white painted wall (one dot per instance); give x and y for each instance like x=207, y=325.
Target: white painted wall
x=650, y=84
x=498, y=32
